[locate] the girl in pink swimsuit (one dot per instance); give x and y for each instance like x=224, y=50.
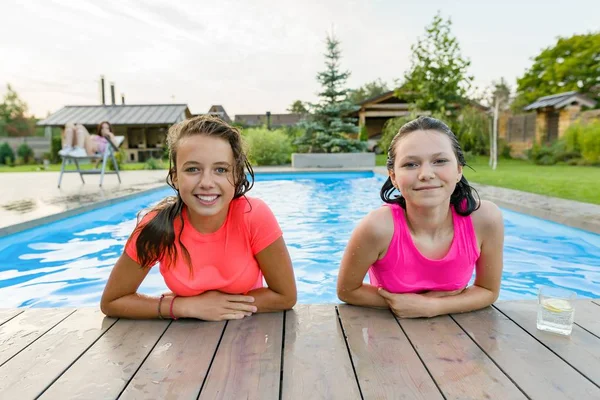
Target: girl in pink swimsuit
x=422, y=247
x=77, y=141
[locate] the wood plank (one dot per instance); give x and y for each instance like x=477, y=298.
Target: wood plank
x=385, y=362
x=535, y=369
x=32, y=370
x=248, y=361
x=316, y=363
x=460, y=368
x=26, y=327
x=178, y=364
x=587, y=315
x=581, y=349
x=104, y=370
x=8, y=313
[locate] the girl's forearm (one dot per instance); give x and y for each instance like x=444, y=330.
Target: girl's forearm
x=267, y=300
x=471, y=299
x=140, y=306
x=366, y=295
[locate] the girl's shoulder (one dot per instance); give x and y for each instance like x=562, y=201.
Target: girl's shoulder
x=250, y=203
x=251, y=209
x=378, y=225
x=487, y=216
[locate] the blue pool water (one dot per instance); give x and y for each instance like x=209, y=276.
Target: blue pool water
x=67, y=263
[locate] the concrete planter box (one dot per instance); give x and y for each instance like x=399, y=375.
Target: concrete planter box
x=335, y=160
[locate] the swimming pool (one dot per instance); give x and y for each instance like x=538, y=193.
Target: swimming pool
x=67, y=263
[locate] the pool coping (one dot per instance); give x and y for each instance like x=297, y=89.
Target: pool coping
x=544, y=207
x=34, y=223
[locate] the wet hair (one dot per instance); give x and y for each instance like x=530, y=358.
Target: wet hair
x=99, y=128
x=157, y=237
x=463, y=198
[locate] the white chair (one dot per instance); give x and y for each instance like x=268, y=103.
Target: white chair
x=110, y=150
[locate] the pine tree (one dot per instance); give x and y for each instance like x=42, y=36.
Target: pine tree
x=328, y=124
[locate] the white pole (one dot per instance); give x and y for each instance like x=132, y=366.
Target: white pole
x=495, y=134
x=491, y=142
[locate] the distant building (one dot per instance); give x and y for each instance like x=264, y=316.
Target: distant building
x=376, y=111
x=277, y=120
x=555, y=113
x=220, y=112
x=144, y=126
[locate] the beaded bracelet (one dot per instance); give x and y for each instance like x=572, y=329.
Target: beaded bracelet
x=162, y=296
x=173, y=317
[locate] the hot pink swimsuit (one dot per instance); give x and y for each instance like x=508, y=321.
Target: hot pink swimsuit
x=404, y=269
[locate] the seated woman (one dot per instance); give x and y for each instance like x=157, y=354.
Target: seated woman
x=77, y=141
x=422, y=247
x=213, y=244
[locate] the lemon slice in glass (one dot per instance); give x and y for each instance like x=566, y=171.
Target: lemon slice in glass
x=556, y=305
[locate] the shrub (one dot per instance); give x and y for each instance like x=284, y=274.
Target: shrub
x=25, y=152
x=473, y=131
x=268, y=147
x=363, y=135
x=552, y=154
x=120, y=156
x=590, y=142
x=154, y=163
x=55, y=146
x=572, y=137
x=504, y=149
x=7, y=155
x=390, y=129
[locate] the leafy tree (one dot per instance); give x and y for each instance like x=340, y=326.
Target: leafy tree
x=328, y=125
x=13, y=115
x=367, y=91
x=570, y=64
x=298, y=107
x=437, y=80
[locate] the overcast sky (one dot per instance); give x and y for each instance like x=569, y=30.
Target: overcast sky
x=255, y=55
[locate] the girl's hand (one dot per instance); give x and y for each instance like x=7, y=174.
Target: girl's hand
x=216, y=306
x=408, y=305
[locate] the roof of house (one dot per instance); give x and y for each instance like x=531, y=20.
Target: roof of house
x=561, y=100
x=219, y=111
x=387, y=96
x=128, y=114
x=380, y=97
x=261, y=119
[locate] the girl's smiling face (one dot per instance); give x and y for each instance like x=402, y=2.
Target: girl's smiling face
x=205, y=178
x=426, y=170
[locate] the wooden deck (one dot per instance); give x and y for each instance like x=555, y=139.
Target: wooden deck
x=312, y=352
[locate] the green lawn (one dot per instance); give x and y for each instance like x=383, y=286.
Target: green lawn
x=564, y=181
x=56, y=167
